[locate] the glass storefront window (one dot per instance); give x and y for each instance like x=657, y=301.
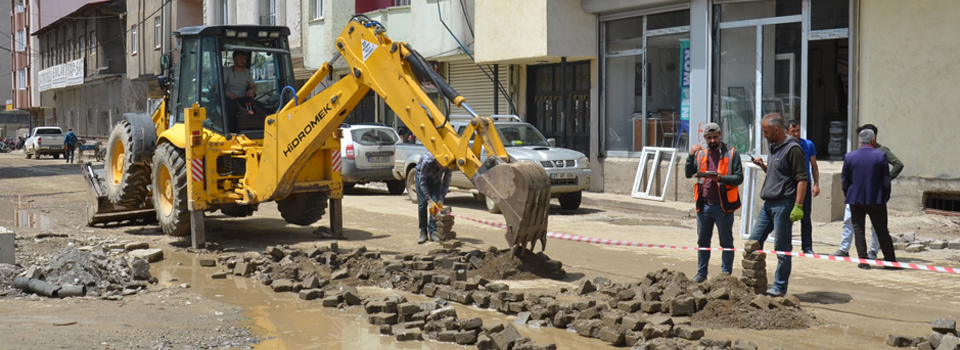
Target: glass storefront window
x=829, y=14
x=759, y=9
x=623, y=102
x=624, y=34
x=668, y=20
x=738, y=77
x=643, y=93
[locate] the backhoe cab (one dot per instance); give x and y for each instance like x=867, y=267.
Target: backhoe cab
x=206, y=148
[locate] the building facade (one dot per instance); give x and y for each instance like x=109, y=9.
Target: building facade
x=668, y=67
x=84, y=66
x=150, y=24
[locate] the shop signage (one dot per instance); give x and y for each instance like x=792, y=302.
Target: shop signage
x=61, y=75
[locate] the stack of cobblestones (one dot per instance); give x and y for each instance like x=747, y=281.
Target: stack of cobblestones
x=445, y=224
x=754, y=267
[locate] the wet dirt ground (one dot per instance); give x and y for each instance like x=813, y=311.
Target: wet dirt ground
x=45, y=203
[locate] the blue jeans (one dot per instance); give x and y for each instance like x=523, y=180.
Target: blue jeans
x=774, y=217
x=847, y=236
x=706, y=218
x=427, y=223
x=806, y=227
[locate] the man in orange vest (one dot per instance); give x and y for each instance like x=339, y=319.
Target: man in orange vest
x=716, y=195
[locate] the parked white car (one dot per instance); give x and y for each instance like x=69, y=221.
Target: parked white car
x=367, y=155
x=569, y=170
x=44, y=140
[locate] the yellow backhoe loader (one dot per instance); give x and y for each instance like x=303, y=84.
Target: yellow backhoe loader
x=205, y=149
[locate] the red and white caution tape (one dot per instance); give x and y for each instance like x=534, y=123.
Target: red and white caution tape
x=610, y=242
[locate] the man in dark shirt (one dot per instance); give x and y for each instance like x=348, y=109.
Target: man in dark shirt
x=784, y=188
x=866, y=185
x=896, y=167
x=716, y=195
x=433, y=182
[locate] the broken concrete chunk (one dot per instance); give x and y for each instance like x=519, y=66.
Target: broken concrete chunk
x=152, y=255
x=586, y=287
x=944, y=326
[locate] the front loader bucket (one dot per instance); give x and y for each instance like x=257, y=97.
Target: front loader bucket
x=99, y=208
x=522, y=192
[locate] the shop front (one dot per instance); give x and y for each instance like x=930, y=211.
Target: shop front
x=668, y=69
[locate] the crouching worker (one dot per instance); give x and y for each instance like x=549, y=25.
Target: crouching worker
x=433, y=181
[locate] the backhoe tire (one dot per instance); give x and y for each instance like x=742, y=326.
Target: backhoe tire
x=411, y=182
x=571, y=201
x=238, y=210
x=303, y=208
x=396, y=187
x=170, y=194
x=126, y=181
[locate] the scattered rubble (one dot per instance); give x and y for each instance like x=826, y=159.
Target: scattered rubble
x=665, y=309
x=944, y=337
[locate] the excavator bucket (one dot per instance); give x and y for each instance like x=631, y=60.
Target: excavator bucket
x=522, y=192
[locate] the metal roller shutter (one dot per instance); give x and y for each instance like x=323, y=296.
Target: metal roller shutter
x=473, y=85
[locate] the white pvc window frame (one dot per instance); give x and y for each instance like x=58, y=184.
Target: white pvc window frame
x=657, y=153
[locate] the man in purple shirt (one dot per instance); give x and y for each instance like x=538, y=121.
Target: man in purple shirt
x=866, y=185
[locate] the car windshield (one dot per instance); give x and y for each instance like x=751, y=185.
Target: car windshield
x=520, y=135
x=376, y=136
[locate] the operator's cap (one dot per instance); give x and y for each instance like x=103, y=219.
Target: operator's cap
x=711, y=128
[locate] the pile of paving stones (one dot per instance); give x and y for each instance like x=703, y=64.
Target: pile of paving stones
x=109, y=270
x=911, y=244
x=944, y=337
x=655, y=310
x=754, y=267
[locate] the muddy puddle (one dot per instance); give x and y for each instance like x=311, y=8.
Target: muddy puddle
x=17, y=214
x=286, y=322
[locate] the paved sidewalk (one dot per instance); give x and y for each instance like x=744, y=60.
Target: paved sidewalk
x=626, y=202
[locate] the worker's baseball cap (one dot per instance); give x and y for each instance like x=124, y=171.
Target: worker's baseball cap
x=711, y=128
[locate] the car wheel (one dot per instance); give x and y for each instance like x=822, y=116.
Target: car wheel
x=28, y=153
x=396, y=187
x=571, y=201
x=56, y=156
x=411, y=181
x=491, y=205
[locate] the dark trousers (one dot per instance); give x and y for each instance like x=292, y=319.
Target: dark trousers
x=68, y=154
x=878, y=217
x=806, y=226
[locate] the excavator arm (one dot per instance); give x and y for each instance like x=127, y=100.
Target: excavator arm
x=377, y=63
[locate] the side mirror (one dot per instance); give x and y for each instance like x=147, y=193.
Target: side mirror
x=552, y=142
x=164, y=62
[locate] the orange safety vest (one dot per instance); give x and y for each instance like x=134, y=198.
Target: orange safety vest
x=729, y=195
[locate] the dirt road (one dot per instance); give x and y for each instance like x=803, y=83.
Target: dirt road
x=857, y=308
